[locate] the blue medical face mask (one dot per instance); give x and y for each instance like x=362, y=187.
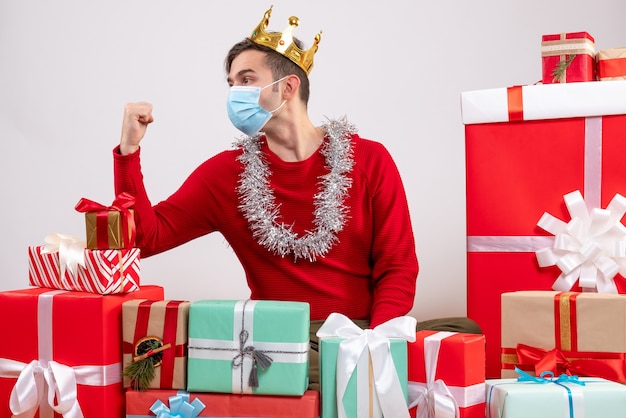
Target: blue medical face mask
x=244, y=110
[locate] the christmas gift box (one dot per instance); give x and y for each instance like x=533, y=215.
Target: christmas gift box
x=526, y=148
x=109, y=227
x=256, y=347
x=564, y=332
x=64, y=343
x=446, y=372
x=549, y=397
x=155, y=343
x=98, y=271
x=172, y=403
x=364, y=372
x=568, y=57
x=611, y=64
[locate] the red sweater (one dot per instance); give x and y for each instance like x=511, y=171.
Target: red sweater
x=369, y=274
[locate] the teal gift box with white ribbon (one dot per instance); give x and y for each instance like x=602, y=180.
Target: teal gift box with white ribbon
x=565, y=396
x=364, y=373
x=248, y=347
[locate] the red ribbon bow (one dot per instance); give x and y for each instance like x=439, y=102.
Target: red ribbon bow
x=122, y=203
x=610, y=366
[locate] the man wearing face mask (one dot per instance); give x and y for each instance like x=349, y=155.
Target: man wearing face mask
x=314, y=213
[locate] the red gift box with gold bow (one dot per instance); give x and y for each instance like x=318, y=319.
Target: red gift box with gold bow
x=575, y=333
x=109, y=227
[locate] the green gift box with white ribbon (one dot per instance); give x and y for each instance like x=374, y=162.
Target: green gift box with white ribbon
x=248, y=347
x=364, y=372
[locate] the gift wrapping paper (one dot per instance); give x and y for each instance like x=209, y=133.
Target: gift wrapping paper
x=109, y=227
x=163, y=319
x=364, y=372
x=116, y=235
x=611, y=64
x=70, y=342
x=229, y=342
x=448, y=367
x=520, y=166
x=139, y=404
x=575, y=51
x=597, y=398
x=564, y=332
x=105, y=271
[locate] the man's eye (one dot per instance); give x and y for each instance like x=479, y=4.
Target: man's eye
x=245, y=80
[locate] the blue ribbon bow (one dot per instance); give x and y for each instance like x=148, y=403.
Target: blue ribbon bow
x=179, y=407
x=564, y=378
x=561, y=380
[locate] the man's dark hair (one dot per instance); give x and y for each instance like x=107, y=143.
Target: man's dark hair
x=280, y=65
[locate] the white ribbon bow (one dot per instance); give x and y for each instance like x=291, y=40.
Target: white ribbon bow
x=590, y=248
x=375, y=341
x=29, y=390
x=71, y=251
x=433, y=399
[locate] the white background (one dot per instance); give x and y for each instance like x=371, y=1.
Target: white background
x=395, y=68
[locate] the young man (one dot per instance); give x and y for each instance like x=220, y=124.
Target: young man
x=313, y=213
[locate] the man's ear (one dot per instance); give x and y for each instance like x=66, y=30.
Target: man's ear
x=291, y=86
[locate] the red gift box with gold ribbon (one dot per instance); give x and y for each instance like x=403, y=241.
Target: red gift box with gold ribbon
x=140, y=404
x=164, y=322
x=575, y=333
x=66, y=342
x=611, y=64
x=568, y=57
x=526, y=148
x=109, y=227
x=448, y=367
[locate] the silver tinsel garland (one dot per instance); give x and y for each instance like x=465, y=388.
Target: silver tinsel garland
x=257, y=202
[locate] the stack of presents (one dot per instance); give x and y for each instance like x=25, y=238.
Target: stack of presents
x=87, y=339
x=546, y=268
x=546, y=243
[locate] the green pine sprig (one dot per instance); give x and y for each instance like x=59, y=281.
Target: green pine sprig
x=559, y=71
x=141, y=371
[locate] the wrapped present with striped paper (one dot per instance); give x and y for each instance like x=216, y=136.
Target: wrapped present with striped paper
x=63, y=263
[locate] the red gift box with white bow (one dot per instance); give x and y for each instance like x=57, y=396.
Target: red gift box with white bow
x=447, y=372
x=527, y=148
x=66, y=342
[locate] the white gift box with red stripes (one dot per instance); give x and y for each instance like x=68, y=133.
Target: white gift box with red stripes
x=105, y=271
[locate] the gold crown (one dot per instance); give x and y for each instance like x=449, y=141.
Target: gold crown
x=283, y=42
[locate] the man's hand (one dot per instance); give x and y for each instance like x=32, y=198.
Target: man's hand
x=137, y=116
